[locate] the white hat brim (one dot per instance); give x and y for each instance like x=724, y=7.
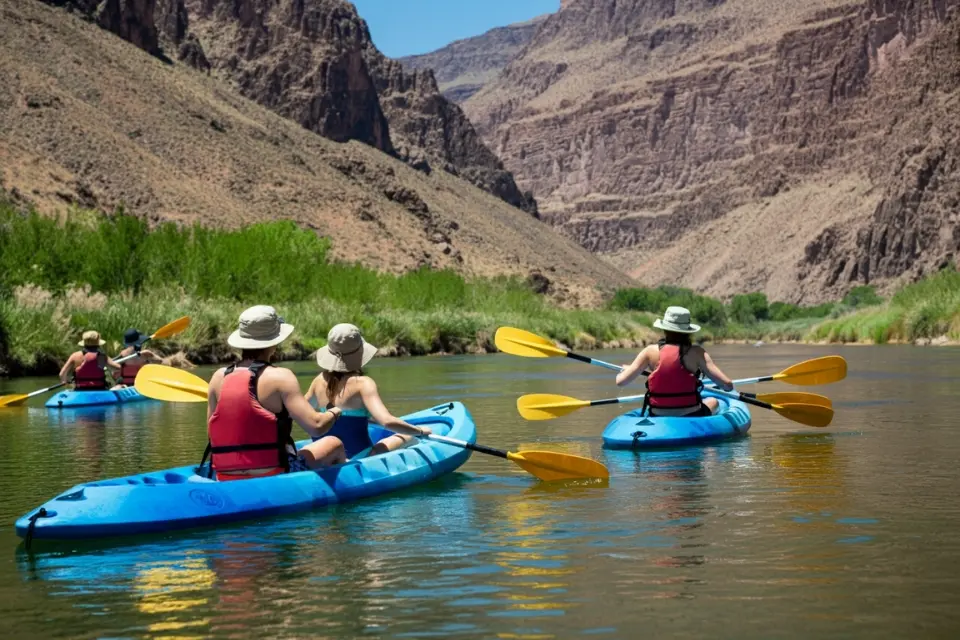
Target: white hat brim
x=330, y=361
x=676, y=328
x=238, y=342
x=84, y=344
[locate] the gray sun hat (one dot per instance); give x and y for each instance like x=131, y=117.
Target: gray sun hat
x=346, y=350
x=676, y=319
x=260, y=327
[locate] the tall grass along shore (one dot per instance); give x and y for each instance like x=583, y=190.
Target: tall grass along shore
x=58, y=278
x=86, y=270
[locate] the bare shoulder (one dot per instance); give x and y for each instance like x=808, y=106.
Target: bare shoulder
x=362, y=383
x=280, y=376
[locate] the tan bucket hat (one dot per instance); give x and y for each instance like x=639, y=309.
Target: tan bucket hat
x=676, y=319
x=346, y=350
x=91, y=339
x=260, y=327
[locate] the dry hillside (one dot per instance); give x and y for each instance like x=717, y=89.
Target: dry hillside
x=798, y=148
x=87, y=118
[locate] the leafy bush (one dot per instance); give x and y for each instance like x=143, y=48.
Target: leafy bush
x=862, y=296
x=750, y=307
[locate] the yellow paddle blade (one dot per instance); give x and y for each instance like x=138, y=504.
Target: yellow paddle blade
x=551, y=465
x=13, y=401
x=518, y=342
x=547, y=406
x=813, y=372
x=172, y=329
x=173, y=385
x=796, y=397
x=809, y=414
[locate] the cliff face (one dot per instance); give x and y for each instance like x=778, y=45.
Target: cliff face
x=463, y=67
x=87, y=119
x=732, y=145
x=313, y=61
x=132, y=20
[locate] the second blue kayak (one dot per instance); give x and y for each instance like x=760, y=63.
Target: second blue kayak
x=71, y=399
x=178, y=498
x=635, y=431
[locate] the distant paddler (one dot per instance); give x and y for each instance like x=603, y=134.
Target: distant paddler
x=89, y=365
x=133, y=346
x=678, y=365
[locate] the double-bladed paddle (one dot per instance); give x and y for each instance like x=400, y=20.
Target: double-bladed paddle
x=175, y=385
x=817, y=371
x=806, y=408
x=166, y=331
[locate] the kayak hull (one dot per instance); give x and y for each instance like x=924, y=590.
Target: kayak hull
x=635, y=431
x=178, y=498
x=71, y=399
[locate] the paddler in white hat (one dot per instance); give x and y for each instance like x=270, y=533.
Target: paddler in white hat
x=252, y=406
x=343, y=385
x=673, y=389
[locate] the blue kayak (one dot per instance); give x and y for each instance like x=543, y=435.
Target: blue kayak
x=635, y=431
x=70, y=399
x=178, y=498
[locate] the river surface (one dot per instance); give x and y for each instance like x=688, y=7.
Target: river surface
x=793, y=532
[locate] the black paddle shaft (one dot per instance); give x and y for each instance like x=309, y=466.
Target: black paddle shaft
x=488, y=450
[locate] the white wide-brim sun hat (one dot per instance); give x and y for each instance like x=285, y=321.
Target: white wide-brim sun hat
x=346, y=350
x=260, y=327
x=676, y=319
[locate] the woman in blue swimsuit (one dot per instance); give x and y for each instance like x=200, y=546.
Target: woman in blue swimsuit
x=343, y=384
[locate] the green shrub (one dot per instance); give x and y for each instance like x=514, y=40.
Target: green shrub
x=862, y=296
x=750, y=307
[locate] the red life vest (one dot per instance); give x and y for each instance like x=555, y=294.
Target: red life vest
x=91, y=374
x=672, y=385
x=243, y=434
x=130, y=369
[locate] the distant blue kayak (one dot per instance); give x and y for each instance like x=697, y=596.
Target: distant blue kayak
x=635, y=431
x=178, y=498
x=70, y=399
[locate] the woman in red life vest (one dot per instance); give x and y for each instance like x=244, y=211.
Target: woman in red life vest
x=342, y=385
x=673, y=389
x=89, y=366
x=252, y=407
x=129, y=369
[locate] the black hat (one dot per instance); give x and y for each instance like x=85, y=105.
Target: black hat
x=132, y=337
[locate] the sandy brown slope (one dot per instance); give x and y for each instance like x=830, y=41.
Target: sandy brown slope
x=87, y=118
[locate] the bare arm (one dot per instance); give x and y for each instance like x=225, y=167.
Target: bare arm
x=631, y=371
x=68, y=368
x=313, y=422
x=150, y=356
x=113, y=365
x=379, y=412
x=215, y=383
x=714, y=373
x=311, y=392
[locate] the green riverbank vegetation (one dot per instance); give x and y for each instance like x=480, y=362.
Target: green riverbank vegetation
x=61, y=277
x=58, y=278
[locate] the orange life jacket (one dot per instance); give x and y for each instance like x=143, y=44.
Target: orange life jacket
x=672, y=385
x=91, y=375
x=243, y=434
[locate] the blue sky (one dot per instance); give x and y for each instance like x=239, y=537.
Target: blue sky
x=406, y=27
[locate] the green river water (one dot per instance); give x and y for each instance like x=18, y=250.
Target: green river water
x=846, y=532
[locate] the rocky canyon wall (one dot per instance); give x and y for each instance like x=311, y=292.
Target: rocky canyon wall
x=641, y=126
x=314, y=62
